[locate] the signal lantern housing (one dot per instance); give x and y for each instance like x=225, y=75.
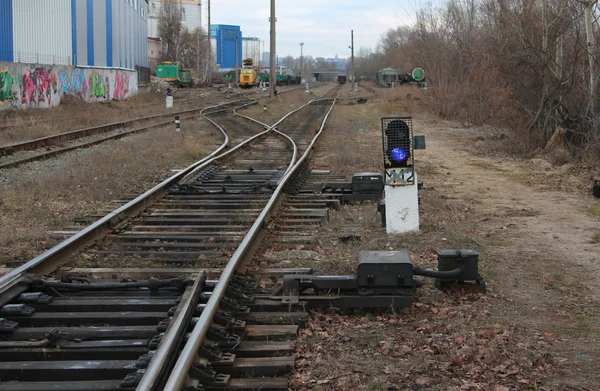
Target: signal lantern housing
x=397, y=135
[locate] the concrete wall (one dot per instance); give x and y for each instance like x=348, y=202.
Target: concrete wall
x=42, y=86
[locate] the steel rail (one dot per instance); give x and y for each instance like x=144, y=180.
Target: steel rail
x=151, y=378
x=273, y=127
x=32, y=119
x=59, y=151
x=172, y=338
x=180, y=372
x=183, y=101
x=45, y=262
x=81, y=133
x=190, y=175
x=276, y=130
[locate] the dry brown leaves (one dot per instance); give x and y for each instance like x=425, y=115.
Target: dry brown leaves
x=436, y=347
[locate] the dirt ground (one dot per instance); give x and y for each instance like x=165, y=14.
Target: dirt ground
x=539, y=324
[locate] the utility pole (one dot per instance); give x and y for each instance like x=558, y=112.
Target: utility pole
x=209, y=49
x=352, y=47
x=301, y=61
x=237, y=60
x=272, y=78
x=198, y=33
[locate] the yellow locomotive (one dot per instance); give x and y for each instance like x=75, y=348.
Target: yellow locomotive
x=247, y=74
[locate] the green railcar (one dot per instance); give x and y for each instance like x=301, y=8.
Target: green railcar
x=185, y=78
x=386, y=77
x=168, y=71
x=282, y=80
x=172, y=72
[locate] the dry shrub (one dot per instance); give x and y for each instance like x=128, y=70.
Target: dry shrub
x=559, y=156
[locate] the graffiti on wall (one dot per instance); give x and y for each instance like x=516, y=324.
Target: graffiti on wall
x=72, y=81
x=39, y=87
x=121, y=85
x=7, y=81
x=97, y=86
x=24, y=85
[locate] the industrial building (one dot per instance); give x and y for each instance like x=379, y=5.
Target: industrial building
x=226, y=41
x=251, y=49
x=95, y=33
x=191, y=15
x=154, y=50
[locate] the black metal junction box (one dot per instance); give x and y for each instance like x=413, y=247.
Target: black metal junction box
x=385, y=269
x=462, y=258
x=367, y=182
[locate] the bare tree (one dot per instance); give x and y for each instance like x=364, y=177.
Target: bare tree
x=170, y=29
x=588, y=10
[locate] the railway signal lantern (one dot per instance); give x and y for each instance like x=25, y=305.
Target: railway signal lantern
x=397, y=142
x=401, y=189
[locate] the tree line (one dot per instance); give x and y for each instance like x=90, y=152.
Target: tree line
x=527, y=66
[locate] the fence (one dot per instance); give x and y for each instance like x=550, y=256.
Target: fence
x=34, y=58
x=143, y=74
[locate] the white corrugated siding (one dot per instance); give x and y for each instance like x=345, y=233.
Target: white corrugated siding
x=251, y=48
x=42, y=31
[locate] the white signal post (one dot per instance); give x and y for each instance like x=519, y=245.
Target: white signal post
x=401, y=205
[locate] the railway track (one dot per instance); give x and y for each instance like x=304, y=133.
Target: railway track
x=16, y=154
x=40, y=149
x=182, y=97
x=177, y=314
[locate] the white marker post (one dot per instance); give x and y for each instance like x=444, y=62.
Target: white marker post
x=401, y=202
x=177, y=124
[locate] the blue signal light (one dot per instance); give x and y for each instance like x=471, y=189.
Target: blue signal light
x=399, y=154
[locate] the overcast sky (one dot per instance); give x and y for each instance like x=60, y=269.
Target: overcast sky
x=323, y=25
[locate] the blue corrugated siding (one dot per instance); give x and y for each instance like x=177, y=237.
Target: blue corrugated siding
x=6, y=31
x=109, y=34
x=127, y=32
x=136, y=53
x=90, y=32
x=74, y=31
x=121, y=23
x=226, y=45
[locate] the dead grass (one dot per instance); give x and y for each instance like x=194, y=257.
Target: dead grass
x=354, y=141
x=31, y=124
x=534, y=330
x=594, y=211
x=47, y=196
